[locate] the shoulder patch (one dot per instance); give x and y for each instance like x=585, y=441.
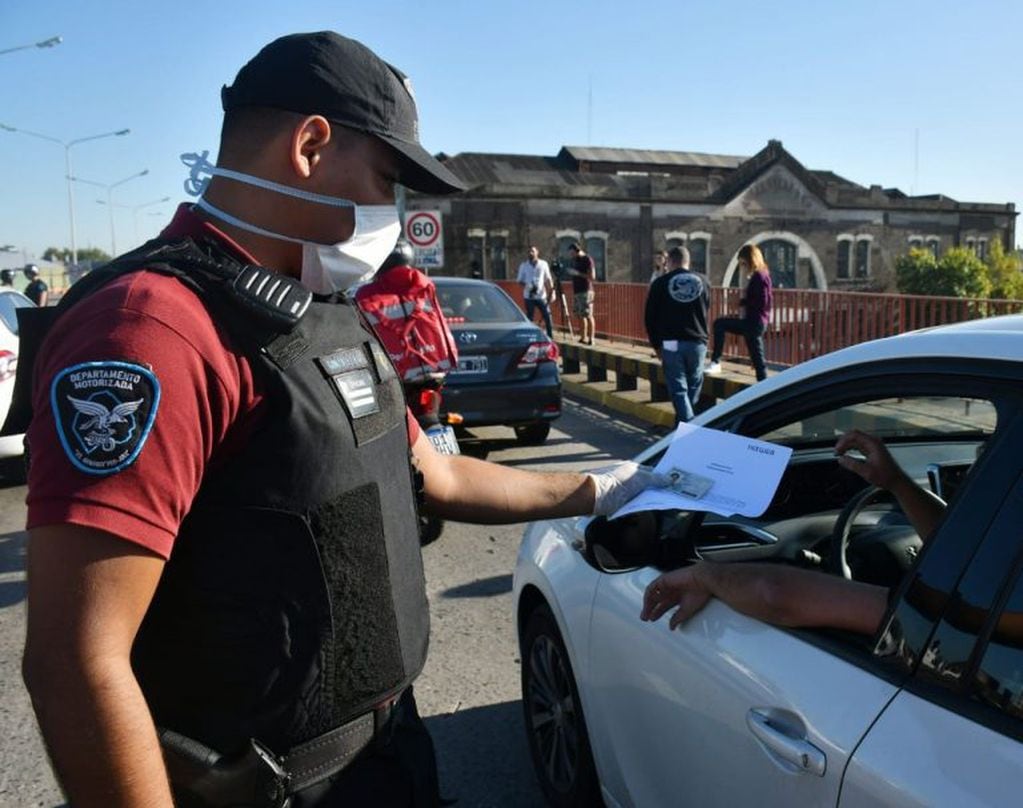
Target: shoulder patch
x=104, y=412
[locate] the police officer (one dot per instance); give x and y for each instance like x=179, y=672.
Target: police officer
x=222, y=560
x=37, y=291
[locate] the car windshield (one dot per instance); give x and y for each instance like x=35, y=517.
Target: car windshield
x=476, y=303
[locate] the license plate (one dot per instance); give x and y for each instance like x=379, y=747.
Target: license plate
x=443, y=439
x=472, y=364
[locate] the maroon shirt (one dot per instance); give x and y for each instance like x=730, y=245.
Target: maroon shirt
x=211, y=402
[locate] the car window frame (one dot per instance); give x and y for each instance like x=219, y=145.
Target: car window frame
x=927, y=680
x=995, y=380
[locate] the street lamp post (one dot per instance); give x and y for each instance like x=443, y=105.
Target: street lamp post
x=52, y=42
x=135, y=211
x=67, y=170
x=110, y=202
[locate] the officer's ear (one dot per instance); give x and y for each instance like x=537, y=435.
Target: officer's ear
x=309, y=138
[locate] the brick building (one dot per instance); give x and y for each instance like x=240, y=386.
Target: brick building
x=817, y=229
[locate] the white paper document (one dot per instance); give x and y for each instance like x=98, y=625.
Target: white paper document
x=732, y=474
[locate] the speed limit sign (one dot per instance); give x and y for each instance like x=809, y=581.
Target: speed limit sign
x=424, y=232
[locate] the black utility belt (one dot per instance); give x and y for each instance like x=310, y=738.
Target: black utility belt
x=203, y=778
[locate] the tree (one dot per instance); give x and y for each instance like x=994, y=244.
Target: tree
x=63, y=255
x=959, y=273
x=1005, y=271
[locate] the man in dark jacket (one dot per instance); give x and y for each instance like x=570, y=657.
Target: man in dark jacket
x=676, y=325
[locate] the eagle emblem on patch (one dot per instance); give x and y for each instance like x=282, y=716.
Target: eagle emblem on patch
x=104, y=412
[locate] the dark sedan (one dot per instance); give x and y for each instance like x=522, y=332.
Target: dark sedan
x=507, y=367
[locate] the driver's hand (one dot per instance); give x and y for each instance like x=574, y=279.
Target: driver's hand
x=878, y=466
x=682, y=588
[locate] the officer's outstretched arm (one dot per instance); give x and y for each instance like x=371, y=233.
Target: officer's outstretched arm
x=87, y=594
x=470, y=490
x=467, y=489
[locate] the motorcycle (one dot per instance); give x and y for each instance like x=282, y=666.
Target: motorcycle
x=424, y=401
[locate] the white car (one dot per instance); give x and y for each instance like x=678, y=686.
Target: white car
x=10, y=302
x=730, y=711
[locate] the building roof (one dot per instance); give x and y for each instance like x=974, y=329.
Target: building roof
x=598, y=154
x=603, y=172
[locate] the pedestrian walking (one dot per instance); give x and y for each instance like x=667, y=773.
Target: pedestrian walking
x=676, y=324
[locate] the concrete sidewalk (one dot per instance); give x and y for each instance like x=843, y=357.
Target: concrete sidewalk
x=629, y=379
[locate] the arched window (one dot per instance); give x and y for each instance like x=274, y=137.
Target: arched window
x=499, y=255
x=844, y=261
x=674, y=238
x=477, y=253
x=934, y=245
x=863, y=256
x=699, y=252
x=565, y=239
x=780, y=256
x=596, y=248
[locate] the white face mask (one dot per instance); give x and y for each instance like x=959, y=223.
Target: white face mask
x=326, y=268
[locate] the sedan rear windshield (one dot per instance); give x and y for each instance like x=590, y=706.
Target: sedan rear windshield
x=475, y=303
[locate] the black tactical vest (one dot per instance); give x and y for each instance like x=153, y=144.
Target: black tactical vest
x=294, y=598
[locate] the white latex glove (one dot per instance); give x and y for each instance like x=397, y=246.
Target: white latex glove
x=617, y=484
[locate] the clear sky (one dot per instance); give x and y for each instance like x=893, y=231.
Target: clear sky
x=846, y=86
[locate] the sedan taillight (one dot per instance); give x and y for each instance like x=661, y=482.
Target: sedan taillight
x=538, y=352
x=8, y=364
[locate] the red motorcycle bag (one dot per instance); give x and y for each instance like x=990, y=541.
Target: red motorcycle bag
x=401, y=306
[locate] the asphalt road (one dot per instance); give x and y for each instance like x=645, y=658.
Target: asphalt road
x=469, y=692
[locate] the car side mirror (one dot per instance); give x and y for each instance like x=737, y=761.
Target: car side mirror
x=627, y=543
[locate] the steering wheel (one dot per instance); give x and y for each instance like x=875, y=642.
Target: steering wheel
x=837, y=561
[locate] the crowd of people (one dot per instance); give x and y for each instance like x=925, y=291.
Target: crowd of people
x=675, y=314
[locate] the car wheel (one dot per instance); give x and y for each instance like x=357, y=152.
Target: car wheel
x=532, y=434
x=555, y=725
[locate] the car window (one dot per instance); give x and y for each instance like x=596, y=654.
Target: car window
x=893, y=418
x=973, y=662
x=476, y=303
x=998, y=681
x=9, y=304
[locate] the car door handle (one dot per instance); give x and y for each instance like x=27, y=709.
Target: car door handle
x=799, y=752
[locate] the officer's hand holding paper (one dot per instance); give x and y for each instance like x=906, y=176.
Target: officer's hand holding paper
x=714, y=471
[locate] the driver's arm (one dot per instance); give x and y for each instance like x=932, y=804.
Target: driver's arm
x=923, y=509
x=87, y=593
x=783, y=596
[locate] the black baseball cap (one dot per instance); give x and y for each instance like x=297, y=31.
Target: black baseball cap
x=327, y=74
